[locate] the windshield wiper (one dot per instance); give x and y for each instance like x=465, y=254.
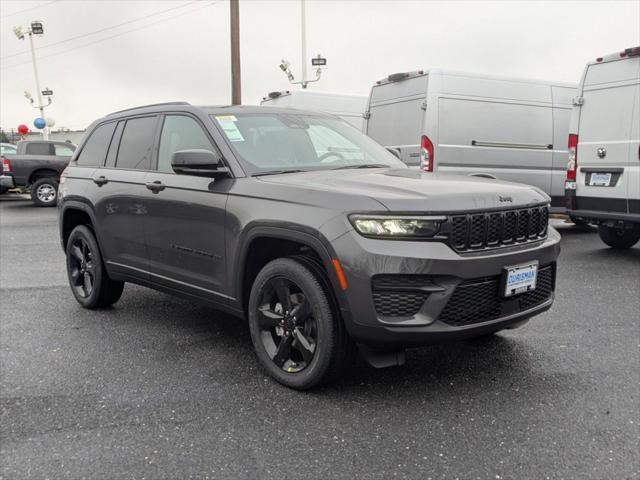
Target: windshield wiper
x=277, y=172
x=362, y=165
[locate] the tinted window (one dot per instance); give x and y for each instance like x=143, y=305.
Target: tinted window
x=64, y=150
x=39, y=148
x=136, y=144
x=180, y=133
x=95, y=150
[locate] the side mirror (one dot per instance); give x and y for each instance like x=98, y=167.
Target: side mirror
x=395, y=152
x=201, y=163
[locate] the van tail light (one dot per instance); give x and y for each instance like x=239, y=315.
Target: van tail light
x=6, y=165
x=572, y=167
x=426, y=154
x=63, y=176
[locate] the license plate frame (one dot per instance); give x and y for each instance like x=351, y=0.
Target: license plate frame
x=600, y=179
x=518, y=279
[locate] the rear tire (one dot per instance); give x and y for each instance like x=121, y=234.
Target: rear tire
x=618, y=238
x=299, y=351
x=44, y=192
x=88, y=279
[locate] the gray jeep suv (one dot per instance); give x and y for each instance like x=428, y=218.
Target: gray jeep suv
x=308, y=229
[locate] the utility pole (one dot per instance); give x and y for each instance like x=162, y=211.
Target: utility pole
x=35, y=29
x=303, y=43
x=236, y=94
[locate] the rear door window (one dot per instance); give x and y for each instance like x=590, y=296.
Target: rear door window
x=95, y=150
x=136, y=144
x=39, y=148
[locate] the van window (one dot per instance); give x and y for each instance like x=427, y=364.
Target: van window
x=180, y=132
x=39, y=148
x=95, y=150
x=136, y=145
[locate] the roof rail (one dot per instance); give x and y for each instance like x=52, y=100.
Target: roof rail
x=147, y=106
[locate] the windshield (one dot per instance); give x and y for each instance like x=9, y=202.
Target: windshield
x=274, y=143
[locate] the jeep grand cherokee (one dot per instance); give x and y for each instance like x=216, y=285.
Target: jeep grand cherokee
x=311, y=231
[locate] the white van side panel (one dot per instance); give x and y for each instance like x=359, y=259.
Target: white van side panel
x=562, y=109
x=634, y=158
x=605, y=122
x=396, y=116
x=502, y=138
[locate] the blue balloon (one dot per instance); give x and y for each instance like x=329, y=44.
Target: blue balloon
x=39, y=123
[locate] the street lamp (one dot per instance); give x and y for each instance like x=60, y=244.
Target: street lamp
x=35, y=28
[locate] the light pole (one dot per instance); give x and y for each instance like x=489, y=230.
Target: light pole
x=34, y=29
x=318, y=62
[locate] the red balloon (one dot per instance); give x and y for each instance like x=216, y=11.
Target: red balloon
x=23, y=129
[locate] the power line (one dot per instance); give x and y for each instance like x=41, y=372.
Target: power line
x=114, y=36
x=28, y=9
x=102, y=29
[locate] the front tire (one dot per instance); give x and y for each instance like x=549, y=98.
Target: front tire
x=44, y=192
x=298, y=337
x=90, y=284
x=619, y=238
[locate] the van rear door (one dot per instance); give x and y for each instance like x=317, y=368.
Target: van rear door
x=396, y=115
x=605, y=134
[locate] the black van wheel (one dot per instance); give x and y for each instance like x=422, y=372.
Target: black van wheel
x=298, y=337
x=620, y=238
x=44, y=192
x=88, y=278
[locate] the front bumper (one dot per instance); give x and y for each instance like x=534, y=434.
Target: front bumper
x=424, y=282
x=6, y=182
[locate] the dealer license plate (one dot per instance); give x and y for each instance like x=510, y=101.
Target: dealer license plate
x=520, y=279
x=600, y=180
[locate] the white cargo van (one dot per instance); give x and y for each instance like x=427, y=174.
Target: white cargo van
x=603, y=177
x=472, y=124
x=348, y=107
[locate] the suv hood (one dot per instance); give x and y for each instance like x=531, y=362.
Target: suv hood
x=409, y=190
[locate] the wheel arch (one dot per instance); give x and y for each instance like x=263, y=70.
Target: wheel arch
x=43, y=173
x=283, y=239
x=71, y=215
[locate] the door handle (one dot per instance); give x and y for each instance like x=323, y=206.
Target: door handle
x=101, y=180
x=156, y=186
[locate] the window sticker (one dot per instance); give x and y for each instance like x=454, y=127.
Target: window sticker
x=230, y=128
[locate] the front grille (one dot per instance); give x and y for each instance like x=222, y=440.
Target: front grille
x=479, y=300
x=399, y=295
x=488, y=230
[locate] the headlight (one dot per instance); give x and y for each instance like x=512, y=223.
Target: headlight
x=396, y=226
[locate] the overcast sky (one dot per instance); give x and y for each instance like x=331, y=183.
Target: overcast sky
x=183, y=53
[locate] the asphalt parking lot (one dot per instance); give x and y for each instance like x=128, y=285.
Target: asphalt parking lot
x=159, y=387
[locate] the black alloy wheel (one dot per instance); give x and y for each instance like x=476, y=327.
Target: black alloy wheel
x=287, y=327
x=296, y=329
x=88, y=278
x=82, y=269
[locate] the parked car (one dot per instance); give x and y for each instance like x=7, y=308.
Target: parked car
x=320, y=246
x=472, y=124
x=36, y=166
x=603, y=177
x=348, y=107
x=7, y=149
x=6, y=182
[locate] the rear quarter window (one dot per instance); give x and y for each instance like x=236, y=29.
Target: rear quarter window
x=95, y=150
x=39, y=149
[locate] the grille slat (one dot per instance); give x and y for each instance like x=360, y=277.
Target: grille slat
x=479, y=300
x=495, y=229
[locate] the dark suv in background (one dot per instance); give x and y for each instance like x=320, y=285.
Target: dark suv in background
x=308, y=229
